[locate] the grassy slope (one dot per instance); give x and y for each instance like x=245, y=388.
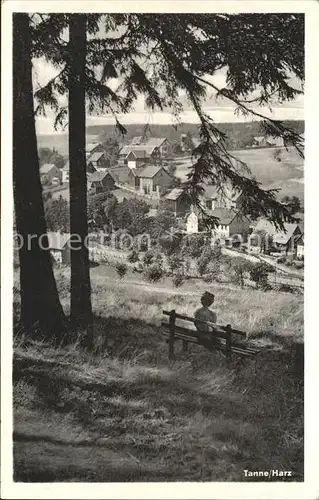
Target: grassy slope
x=127, y=414
x=286, y=175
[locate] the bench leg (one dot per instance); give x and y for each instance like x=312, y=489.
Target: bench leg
x=185, y=346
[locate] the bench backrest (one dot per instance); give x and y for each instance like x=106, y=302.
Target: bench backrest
x=219, y=330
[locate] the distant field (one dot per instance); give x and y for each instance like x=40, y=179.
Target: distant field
x=286, y=175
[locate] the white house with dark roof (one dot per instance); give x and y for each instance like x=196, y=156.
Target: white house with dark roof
x=153, y=179
x=178, y=201
x=49, y=172
x=97, y=161
x=93, y=147
x=59, y=245
x=300, y=250
x=283, y=240
x=98, y=182
x=213, y=198
x=230, y=223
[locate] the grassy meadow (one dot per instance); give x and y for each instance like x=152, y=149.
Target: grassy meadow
x=126, y=413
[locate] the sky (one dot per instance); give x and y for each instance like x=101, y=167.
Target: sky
x=219, y=110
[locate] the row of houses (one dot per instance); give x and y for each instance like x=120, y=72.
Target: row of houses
x=263, y=141
x=142, y=151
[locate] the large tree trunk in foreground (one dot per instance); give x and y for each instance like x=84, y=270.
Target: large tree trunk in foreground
x=40, y=305
x=81, y=308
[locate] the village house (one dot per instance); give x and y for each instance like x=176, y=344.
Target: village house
x=138, y=154
x=300, y=251
x=192, y=223
x=65, y=173
x=230, y=223
x=264, y=142
x=98, y=182
x=97, y=161
x=163, y=145
x=59, y=245
x=153, y=180
x=50, y=174
x=136, y=158
x=229, y=198
x=123, y=175
x=94, y=163
x=93, y=147
x=282, y=240
x=178, y=202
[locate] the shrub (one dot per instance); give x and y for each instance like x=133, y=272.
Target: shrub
x=281, y=260
x=239, y=267
x=208, y=262
x=148, y=258
x=259, y=274
x=170, y=244
x=298, y=264
x=193, y=245
x=178, y=279
x=208, y=278
x=153, y=273
x=175, y=262
x=133, y=256
x=121, y=269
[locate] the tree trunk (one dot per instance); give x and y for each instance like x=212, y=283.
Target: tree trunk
x=41, y=311
x=81, y=308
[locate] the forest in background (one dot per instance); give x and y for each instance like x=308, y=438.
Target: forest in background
x=239, y=135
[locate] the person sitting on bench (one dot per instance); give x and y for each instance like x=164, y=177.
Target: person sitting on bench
x=205, y=314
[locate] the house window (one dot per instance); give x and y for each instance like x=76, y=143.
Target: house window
x=209, y=204
x=154, y=187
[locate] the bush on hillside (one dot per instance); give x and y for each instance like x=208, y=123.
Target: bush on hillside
x=175, y=262
x=259, y=274
x=178, y=279
x=121, y=269
x=208, y=278
x=209, y=261
x=148, y=258
x=133, y=256
x=170, y=244
x=153, y=273
x=239, y=267
x=281, y=260
x=193, y=245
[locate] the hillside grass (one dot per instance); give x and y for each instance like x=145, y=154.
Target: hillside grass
x=126, y=413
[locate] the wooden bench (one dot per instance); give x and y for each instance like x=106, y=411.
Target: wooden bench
x=222, y=338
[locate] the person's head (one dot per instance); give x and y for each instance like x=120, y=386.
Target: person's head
x=207, y=299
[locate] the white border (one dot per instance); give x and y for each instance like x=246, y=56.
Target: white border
x=290, y=491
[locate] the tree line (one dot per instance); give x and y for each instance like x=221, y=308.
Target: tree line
x=157, y=56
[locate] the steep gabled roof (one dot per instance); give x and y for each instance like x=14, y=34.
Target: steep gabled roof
x=210, y=191
x=278, y=236
x=150, y=171
x=282, y=237
x=94, y=157
x=224, y=215
x=123, y=175
x=98, y=176
x=174, y=194
x=91, y=146
x=154, y=141
x=139, y=153
x=136, y=140
x=46, y=168
x=57, y=241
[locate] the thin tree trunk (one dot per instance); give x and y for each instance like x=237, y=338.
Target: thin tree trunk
x=40, y=305
x=81, y=308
